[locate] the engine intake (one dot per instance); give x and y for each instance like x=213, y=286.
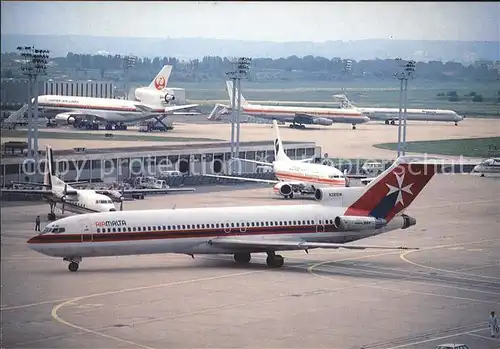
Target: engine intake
x=358, y=223
x=168, y=97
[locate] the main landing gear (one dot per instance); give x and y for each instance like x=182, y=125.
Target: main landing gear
x=273, y=260
x=74, y=263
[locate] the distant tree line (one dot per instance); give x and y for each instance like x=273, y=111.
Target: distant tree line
x=211, y=68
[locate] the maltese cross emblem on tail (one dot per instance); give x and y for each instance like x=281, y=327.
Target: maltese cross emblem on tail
x=399, y=189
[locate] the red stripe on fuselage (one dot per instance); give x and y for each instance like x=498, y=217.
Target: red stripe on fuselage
x=93, y=107
x=306, y=112
x=177, y=234
x=286, y=176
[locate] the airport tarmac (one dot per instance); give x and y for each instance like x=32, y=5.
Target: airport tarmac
x=337, y=140
x=441, y=293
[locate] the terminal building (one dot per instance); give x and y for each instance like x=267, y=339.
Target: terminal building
x=118, y=164
x=99, y=89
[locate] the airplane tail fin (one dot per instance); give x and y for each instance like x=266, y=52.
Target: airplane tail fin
x=47, y=175
x=345, y=103
x=161, y=79
x=395, y=189
x=49, y=178
x=279, y=152
x=229, y=88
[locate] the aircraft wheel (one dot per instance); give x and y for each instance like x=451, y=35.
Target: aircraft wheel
x=353, y=127
x=291, y=125
x=275, y=261
x=387, y=122
x=242, y=258
x=73, y=266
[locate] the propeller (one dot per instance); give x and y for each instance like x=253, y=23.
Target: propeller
x=347, y=182
x=63, y=199
x=122, y=192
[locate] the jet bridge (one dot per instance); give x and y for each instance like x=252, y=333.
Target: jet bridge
x=14, y=118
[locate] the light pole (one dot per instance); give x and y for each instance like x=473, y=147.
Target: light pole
x=409, y=70
x=34, y=64
x=400, y=76
x=347, y=69
x=128, y=62
x=240, y=71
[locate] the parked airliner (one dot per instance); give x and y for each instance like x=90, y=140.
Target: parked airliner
x=79, y=201
x=295, y=176
x=297, y=116
x=391, y=115
x=342, y=216
x=70, y=110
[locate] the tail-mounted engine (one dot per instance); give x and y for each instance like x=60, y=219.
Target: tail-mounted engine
x=169, y=97
x=408, y=221
x=357, y=223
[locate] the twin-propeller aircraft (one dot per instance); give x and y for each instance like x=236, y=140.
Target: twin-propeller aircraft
x=57, y=192
x=343, y=215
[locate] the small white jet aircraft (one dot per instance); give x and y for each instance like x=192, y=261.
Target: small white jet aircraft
x=296, y=176
x=79, y=201
x=489, y=167
x=342, y=216
x=296, y=116
x=72, y=110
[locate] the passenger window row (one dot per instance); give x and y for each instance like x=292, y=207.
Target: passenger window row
x=225, y=226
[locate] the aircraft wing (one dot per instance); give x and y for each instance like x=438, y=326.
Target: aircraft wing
x=28, y=191
x=256, y=162
x=270, y=181
x=143, y=191
x=263, y=245
x=179, y=107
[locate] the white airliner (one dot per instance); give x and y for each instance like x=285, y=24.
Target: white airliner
x=297, y=116
x=58, y=192
x=71, y=110
x=391, y=115
x=295, y=176
x=342, y=216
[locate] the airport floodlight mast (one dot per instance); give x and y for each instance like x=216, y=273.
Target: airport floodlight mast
x=128, y=63
x=409, y=71
x=34, y=63
x=241, y=67
x=403, y=76
x=347, y=69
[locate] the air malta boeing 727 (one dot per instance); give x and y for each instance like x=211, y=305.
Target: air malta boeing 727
x=343, y=215
x=295, y=176
x=297, y=116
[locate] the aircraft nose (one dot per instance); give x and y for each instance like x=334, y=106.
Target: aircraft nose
x=365, y=119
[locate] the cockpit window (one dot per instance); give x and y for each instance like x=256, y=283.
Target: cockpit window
x=53, y=230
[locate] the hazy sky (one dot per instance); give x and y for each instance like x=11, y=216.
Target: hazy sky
x=263, y=21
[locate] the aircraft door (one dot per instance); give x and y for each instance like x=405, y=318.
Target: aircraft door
x=86, y=231
x=320, y=224
x=243, y=227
